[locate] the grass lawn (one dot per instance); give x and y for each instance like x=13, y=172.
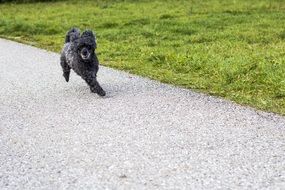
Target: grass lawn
x=229, y=48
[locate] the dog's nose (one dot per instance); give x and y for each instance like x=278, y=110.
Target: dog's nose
x=84, y=52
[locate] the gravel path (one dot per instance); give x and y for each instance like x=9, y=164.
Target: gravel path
x=143, y=135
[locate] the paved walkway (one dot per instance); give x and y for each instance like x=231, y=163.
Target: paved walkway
x=143, y=135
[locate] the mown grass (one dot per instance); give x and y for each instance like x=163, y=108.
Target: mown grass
x=229, y=48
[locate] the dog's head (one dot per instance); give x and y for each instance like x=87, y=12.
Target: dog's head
x=86, y=45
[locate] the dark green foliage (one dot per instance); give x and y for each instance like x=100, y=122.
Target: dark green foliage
x=26, y=1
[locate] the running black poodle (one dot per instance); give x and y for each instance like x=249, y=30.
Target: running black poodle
x=79, y=54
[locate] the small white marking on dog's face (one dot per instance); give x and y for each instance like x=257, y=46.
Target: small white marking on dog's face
x=84, y=57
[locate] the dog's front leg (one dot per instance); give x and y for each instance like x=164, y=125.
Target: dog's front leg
x=65, y=68
x=95, y=87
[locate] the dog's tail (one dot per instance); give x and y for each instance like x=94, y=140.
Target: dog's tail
x=72, y=34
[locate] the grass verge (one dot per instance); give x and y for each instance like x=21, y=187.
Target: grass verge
x=229, y=48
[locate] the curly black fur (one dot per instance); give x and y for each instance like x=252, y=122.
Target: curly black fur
x=79, y=54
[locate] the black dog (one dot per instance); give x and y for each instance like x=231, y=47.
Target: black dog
x=79, y=54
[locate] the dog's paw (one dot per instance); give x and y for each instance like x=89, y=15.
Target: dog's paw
x=66, y=79
x=66, y=76
x=101, y=93
x=98, y=91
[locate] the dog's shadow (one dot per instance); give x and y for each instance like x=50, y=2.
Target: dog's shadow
x=112, y=89
x=120, y=84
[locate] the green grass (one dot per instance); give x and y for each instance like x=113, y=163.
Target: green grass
x=229, y=48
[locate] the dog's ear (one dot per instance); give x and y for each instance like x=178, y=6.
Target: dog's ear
x=72, y=35
x=89, y=34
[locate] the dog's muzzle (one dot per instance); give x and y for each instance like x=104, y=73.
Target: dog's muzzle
x=85, y=54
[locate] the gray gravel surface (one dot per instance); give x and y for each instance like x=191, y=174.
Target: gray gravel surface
x=143, y=135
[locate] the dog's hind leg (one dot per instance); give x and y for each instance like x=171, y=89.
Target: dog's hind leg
x=93, y=84
x=96, y=88
x=65, y=68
